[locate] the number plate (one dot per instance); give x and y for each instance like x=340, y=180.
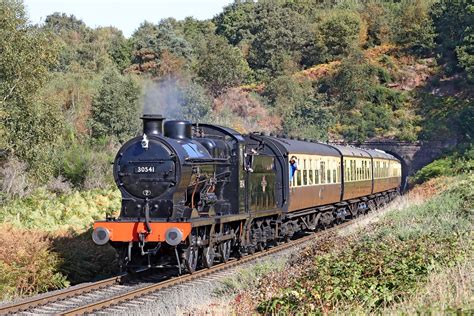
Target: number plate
x=145, y=169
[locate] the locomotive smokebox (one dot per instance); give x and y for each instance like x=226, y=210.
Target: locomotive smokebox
x=178, y=129
x=152, y=124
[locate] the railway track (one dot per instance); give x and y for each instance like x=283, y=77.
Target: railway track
x=95, y=297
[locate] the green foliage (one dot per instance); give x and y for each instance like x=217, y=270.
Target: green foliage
x=87, y=166
x=446, y=117
x=310, y=119
x=279, y=33
x=30, y=129
x=378, y=17
x=460, y=161
x=338, y=34
x=49, y=211
x=414, y=26
x=236, y=22
x=453, y=21
x=116, y=103
x=195, y=103
x=153, y=44
x=465, y=51
x=221, y=66
x=390, y=262
x=366, y=106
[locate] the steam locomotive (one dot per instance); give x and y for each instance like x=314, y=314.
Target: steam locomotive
x=197, y=194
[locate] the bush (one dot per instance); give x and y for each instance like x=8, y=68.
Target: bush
x=49, y=212
x=457, y=162
x=88, y=166
x=27, y=264
x=14, y=180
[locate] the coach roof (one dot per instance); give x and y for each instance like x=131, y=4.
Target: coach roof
x=294, y=146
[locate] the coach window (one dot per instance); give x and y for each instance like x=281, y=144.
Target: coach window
x=359, y=169
x=305, y=173
x=310, y=172
x=338, y=171
x=316, y=173
x=353, y=171
x=348, y=170
x=349, y=166
x=323, y=172
x=298, y=177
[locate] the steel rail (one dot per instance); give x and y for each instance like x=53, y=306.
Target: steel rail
x=51, y=297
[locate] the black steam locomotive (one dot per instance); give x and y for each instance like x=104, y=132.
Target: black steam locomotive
x=197, y=194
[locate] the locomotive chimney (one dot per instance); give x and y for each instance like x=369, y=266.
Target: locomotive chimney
x=152, y=124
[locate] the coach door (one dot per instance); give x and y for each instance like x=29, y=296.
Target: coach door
x=261, y=183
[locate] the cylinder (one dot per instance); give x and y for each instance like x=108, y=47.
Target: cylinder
x=152, y=124
x=178, y=129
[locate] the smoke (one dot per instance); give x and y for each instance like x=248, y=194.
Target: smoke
x=164, y=97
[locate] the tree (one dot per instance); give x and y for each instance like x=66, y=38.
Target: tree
x=151, y=41
x=221, y=66
x=414, y=26
x=465, y=52
x=378, y=18
x=279, y=32
x=237, y=22
x=115, y=109
x=30, y=129
x=454, y=22
x=339, y=34
x=310, y=119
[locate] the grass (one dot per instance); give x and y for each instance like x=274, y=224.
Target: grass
x=249, y=278
x=400, y=264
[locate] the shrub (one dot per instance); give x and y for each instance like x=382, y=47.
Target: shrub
x=457, y=162
x=14, y=180
x=27, y=264
x=88, y=166
x=49, y=211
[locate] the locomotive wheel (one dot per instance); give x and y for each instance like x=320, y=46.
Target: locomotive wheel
x=191, y=258
x=225, y=249
x=208, y=255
